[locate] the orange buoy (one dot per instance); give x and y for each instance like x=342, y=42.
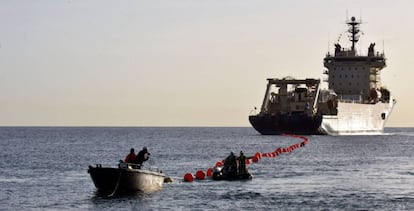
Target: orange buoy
x=258, y=155
x=219, y=163
x=209, y=172
x=255, y=159
x=247, y=161
x=200, y=175
x=188, y=177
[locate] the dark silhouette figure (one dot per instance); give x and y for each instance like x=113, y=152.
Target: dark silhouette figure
x=142, y=156
x=242, y=164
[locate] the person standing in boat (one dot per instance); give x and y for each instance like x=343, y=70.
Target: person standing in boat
x=242, y=164
x=142, y=156
x=230, y=165
x=131, y=157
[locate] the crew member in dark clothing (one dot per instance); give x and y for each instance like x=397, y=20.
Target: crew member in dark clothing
x=242, y=165
x=230, y=165
x=131, y=157
x=142, y=156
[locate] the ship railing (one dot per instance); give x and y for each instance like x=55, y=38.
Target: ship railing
x=349, y=101
x=124, y=165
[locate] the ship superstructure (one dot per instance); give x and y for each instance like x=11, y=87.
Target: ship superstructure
x=358, y=103
x=289, y=106
x=355, y=102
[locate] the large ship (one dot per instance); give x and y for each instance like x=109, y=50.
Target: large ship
x=355, y=102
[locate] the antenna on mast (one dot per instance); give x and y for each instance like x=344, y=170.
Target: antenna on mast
x=346, y=14
x=329, y=44
x=354, y=31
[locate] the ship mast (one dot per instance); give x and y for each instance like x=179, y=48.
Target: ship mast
x=354, y=30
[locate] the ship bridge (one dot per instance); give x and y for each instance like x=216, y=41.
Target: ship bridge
x=350, y=75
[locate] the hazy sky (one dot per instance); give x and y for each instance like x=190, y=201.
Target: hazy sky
x=181, y=62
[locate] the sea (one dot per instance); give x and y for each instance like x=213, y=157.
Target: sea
x=45, y=168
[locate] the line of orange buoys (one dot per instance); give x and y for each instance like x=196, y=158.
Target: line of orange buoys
x=200, y=175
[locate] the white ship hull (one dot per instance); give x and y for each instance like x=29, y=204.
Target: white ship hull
x=357, y=119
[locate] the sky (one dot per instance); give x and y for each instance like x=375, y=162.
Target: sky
x=181, y=62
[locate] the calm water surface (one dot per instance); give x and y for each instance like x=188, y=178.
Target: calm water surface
x=46, y=169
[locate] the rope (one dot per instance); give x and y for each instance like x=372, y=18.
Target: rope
x=117, y=184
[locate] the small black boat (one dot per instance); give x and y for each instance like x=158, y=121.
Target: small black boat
x=125, y=178
x=220, y=174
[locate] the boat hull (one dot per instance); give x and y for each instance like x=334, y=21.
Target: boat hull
x=110, y=180
x=295, y=123
x=352, y=119
x=218, y=174
x=357, y=119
